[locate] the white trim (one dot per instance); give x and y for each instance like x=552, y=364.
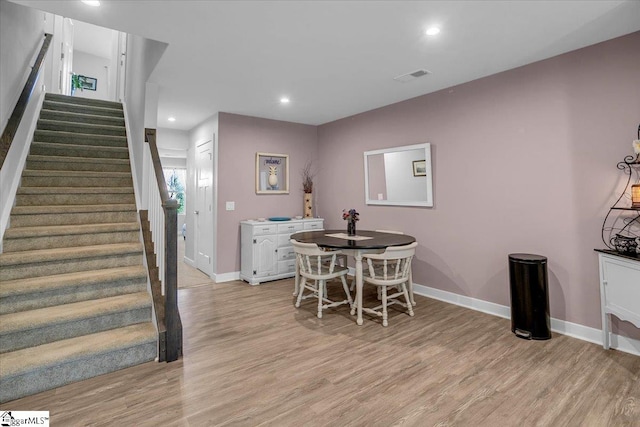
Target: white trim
x=226, y=277
x=574, y=330
x=189, y=262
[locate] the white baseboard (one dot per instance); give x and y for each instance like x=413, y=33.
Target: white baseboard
x=585, y=333
x=190, y=262
x=226, y=277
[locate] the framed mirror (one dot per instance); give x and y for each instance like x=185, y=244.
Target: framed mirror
x=399, y=176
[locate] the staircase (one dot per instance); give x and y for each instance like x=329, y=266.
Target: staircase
x=73, y=289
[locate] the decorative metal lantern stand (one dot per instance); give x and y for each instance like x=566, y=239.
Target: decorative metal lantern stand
x=621, y=226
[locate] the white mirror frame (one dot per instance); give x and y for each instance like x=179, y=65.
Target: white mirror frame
x=427, y=157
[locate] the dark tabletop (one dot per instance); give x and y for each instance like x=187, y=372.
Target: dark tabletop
x=380, y=240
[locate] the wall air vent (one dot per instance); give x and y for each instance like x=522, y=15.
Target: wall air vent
x=405, y=78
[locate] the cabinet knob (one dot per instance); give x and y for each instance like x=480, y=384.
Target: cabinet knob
x=196, y=212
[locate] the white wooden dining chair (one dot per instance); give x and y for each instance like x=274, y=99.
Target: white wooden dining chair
x=316, y=267
x=341, y=260
x=392, y=268
x=409, y=285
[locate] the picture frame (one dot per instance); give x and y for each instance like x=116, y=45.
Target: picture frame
x=272, y=173
x=419, y=168
x=88, y=83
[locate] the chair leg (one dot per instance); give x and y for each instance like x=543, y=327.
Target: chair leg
x=321, y=287
x=301, y=285
x=296, y=281
x=385, y=321
x=410, y=284
x=407, y=298
x=346, y=290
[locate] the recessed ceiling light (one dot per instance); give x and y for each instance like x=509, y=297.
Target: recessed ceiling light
x=432, y=31
x=172, y=119
x=94, y=3
x=284, y=100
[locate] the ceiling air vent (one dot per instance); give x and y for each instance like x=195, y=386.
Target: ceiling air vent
x=404, y=78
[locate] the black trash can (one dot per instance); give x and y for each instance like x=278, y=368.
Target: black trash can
x=529, y=287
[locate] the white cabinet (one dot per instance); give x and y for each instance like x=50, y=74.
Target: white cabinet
x=266, y=252
x=619, y=290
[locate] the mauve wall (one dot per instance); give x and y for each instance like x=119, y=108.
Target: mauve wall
x=523, y=161
x=240, y=137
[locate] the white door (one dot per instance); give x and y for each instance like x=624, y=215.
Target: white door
x=204, y=207
x=66, y=56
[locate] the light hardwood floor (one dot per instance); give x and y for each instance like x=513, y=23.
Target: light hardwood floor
x=252, y=359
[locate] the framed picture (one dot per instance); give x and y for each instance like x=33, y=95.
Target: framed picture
x=272, y=173
x=419, y=168
x=88, y=83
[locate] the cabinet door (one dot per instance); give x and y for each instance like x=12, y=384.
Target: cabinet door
x=265, y=261
x=621, y=288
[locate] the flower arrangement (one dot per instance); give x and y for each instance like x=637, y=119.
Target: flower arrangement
x=307, y=178
x=350, y=215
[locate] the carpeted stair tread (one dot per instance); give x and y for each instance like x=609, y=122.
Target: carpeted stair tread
x=57, y=196
x=67, y=160
x=76, y=190
x=74, y=349
x=77, y=174
x=58, y=230
x=87, y=117
x=67, y=209
x=62, y=254
x=57, y=105
x=73, y=150
x=67, y=313
x=74, y=138
x=82, y=101
x=80, y=127
x=78, y=279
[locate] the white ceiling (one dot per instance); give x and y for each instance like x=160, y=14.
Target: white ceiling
x=338, y=58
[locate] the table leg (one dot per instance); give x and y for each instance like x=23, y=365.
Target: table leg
x=358, y=257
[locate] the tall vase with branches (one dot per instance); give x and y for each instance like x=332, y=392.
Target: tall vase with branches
x=307, y=186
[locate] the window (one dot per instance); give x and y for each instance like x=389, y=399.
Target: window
x=175, y=179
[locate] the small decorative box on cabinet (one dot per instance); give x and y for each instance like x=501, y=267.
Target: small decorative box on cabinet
x=266, y=253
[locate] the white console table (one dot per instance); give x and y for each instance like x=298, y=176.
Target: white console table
x=619, y=290
x=266, y=252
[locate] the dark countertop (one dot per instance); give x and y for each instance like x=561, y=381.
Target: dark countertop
x=611, y=252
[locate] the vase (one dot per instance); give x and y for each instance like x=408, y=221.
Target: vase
x=308, y=213
x=351, y=227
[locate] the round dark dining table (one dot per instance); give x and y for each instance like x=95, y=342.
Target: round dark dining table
x=365, y=241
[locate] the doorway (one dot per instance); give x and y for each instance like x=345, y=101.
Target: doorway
x=91, y=60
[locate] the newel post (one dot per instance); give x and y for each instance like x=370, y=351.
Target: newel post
x=174, y=335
